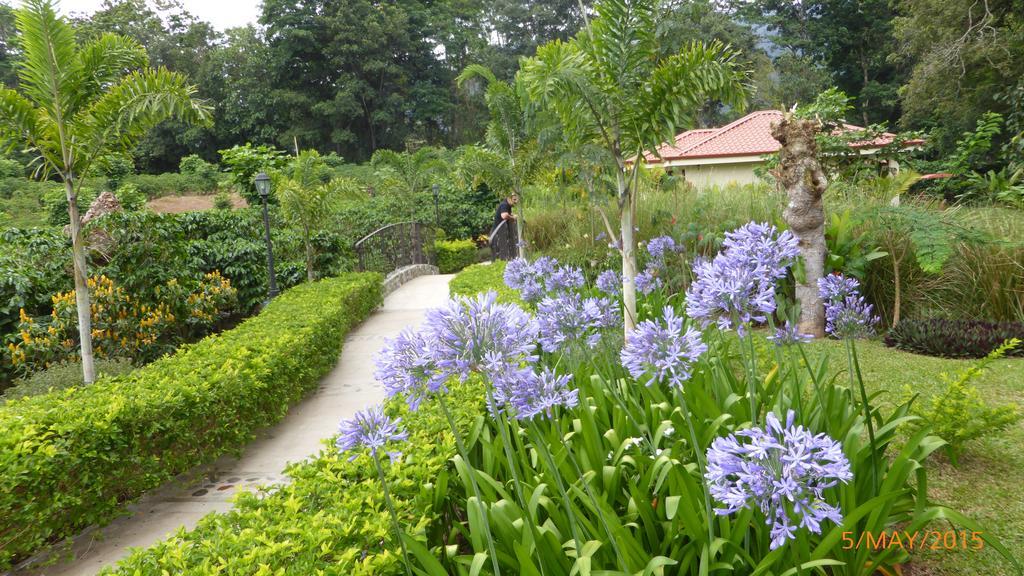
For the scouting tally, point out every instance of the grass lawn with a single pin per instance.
(989, 484)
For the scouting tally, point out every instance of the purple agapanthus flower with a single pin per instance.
(563, 278)
(847, 313)
(788, 335)
(369, 428)
(530, 394)
(659, 247)
(738, 286)
(730, 293)
(467, 334)
(406, 366)
(662, 351)
(783, 471)
(609, 282)
(835, 287)
(850, 318)
(569, 319)
(763, 248)
(647, 281)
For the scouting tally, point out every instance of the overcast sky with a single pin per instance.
(221, 13)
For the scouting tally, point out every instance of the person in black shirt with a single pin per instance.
(504, 211)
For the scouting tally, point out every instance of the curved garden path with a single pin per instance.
(183, 501)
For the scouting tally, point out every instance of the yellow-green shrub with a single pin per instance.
(69, 459)
(331, 519)
(454, 255)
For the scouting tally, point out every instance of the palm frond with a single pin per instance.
(103, 62)
(138, 102)
(48, 61)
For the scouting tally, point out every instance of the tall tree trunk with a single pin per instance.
(81, 274)
(800, 175)
(309, 254)
(626, 219)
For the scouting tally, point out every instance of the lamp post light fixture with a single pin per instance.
(437, 210)
(263, 188)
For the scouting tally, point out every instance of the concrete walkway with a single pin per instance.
(183, 501)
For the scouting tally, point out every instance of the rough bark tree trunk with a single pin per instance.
(81, 274)
(801, 176)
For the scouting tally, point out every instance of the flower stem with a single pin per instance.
(701, 468)
(542, 448)
(472, 481)
(851, 355)
(391, 509)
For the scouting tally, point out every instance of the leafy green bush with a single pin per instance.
(205, 172)
(958, 414)
(115, 168)
(481, 278)
(454, 255)
(948, 338)
(222, 201)
(63, 376)
(34, 265)
(333, 514)
(244, 162)
(10, 168)
(169, 184)
(56, 202)
(130, 197)
(69, 459)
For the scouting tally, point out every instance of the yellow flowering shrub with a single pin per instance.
(122, 326)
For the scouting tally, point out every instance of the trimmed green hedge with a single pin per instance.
(454, 255)
(69, 459)
(331, 519)
(483, 277)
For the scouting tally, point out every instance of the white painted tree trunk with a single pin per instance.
(801, 176)
(628, 240)
(81, 273)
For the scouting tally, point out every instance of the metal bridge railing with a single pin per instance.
(396, 245)
(504, 240)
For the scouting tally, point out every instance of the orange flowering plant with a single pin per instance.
(122, 325)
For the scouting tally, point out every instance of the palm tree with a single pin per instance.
(407, 173)
(609, 85)
(517, 142)
(76, 104)
(310, 197)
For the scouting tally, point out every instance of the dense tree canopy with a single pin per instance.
(354, 76)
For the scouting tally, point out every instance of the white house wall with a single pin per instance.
(711, 175)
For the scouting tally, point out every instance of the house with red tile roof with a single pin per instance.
(729, 155)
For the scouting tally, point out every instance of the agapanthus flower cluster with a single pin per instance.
(470, 334)
(788, 335)
(609, 282)
(543, 276)
(783, 471)
(569, 319)
(647, 281)
(847, 313)
(662, 351)
(528, 393)
(763, 248)
(661, 246)
(738, 286)
(406, 366)
(564, 278)
(370, 428)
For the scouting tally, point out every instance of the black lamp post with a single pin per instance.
(263, 187)
(437, 210)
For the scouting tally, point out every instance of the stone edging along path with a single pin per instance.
(183, 501)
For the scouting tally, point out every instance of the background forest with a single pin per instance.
(353, 76)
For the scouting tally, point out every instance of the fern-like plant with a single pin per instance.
(959, 415)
